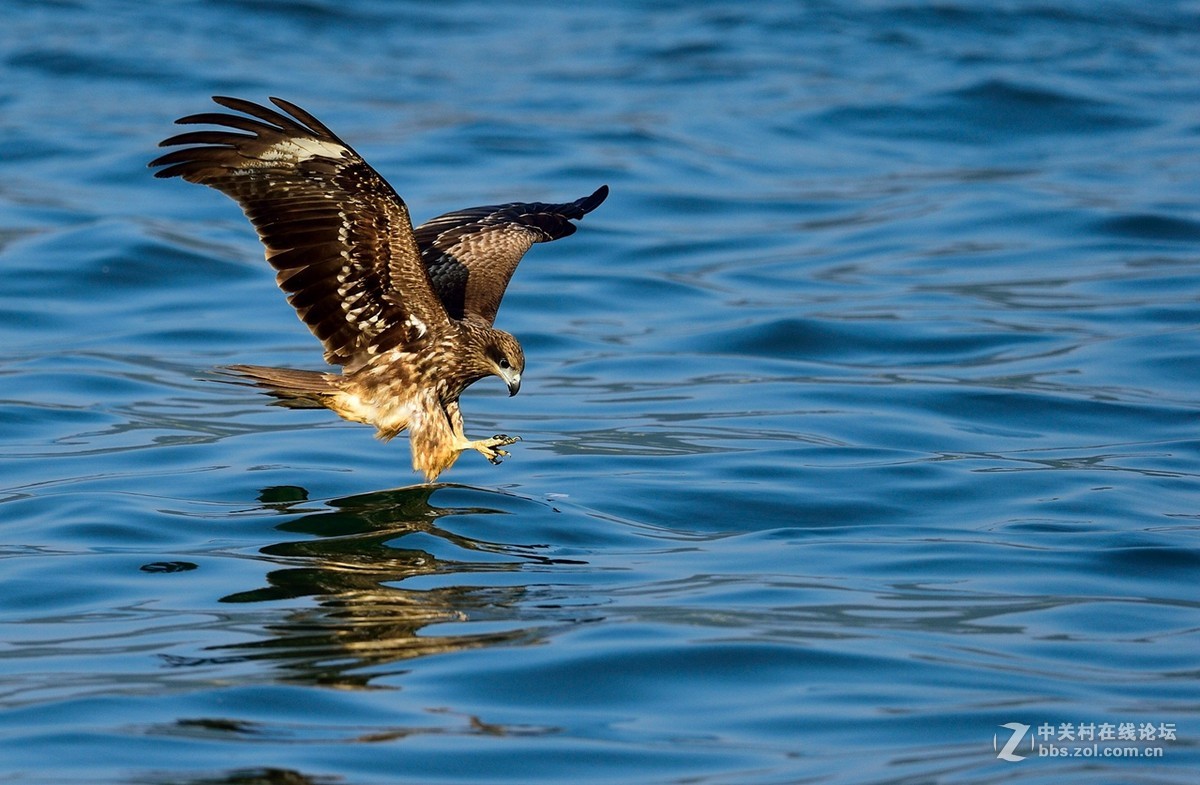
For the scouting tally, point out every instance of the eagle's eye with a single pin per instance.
(504, 363)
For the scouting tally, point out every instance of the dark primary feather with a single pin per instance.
(338, 235)
(471, 254)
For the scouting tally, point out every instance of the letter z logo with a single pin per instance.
(1018, 733)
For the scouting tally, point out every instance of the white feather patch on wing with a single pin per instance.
(301, 149)
(417, 325)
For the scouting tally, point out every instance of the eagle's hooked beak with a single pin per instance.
(512, 378)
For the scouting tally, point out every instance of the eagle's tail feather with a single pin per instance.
(294, 389)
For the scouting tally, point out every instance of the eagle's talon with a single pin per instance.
(491, 448)
(495, 455)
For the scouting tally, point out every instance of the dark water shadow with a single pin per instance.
(265, 776)
(362, 549)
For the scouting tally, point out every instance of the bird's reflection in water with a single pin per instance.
(260, 777)
(363, 549)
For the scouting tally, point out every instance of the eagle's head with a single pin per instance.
(506, 360)
(490, 352)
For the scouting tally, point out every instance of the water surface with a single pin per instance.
(858, 423)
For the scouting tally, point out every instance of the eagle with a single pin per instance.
(406, 314)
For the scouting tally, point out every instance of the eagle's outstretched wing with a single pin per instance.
(471, 254)
(339, 237)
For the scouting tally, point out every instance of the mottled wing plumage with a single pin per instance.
(337, 234)
(471, 254)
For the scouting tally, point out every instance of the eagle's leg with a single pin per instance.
(488, 448)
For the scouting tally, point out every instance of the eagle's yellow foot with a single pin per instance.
(490, 448)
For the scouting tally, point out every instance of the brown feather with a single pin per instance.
(472, 254)
(294, 389)
(317, 204)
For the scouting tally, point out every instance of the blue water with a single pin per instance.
(859, 422)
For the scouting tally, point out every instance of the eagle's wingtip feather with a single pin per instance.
(589, 203)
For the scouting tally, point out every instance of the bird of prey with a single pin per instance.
(406, 313)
